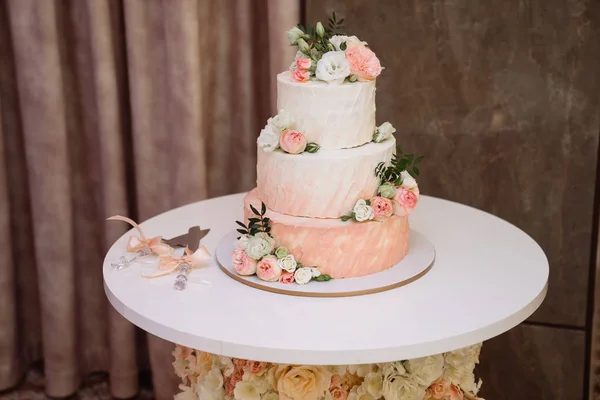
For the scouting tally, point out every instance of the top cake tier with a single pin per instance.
(334, 116)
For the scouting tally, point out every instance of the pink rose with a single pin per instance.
(256, 367)
(286, 277)
(268, 270)
(242, 264)
(292, 142)
(338, 393)
(336, 381)
(300, 75)
(382, 207)
(439, 388)
(303, 63)
(363, 63)
(232, 380)
(405, 201)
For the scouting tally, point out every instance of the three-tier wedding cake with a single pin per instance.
(333, 190)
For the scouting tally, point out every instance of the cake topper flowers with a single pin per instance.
(325, 54)
(257, 253)
(280, 132)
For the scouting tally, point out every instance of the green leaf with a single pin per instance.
(353, 215)
(254, 210)
(263, 209)
(368, 202)
(415, 171)
(241, 224)
(418, 160)
(242, 231)
(345, 217)
(265, 220)
(341, 21)
(323, 278)
(312, 147)
(254, 226)
(343, 46)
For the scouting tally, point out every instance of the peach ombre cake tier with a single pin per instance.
(334, 192)
(340, 249)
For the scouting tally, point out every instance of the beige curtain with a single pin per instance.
(110, 107)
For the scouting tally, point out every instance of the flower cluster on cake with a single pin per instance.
(447, 376)
(333, 186)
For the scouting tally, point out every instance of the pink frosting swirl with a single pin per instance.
(292, 142)
(382, 207)
(405, 200)
(268, 270)
(242, 264)
(363, 63)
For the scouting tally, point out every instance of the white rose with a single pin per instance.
(362, 212)
(186, 394)
(268, 138)
(225, 363)
(465, 355)
(287, 263)
(249, 390)
(302, 276)
(373, 384)
(315, 271)
(463, 376)
(425, 370)
(383, 132)
(258, 247)
(408, 181)
(242, 242)
(268, 238)
(281, 121)
(294, 34)
(210, 386)
(358, 394)
(333, 67)
(397, 387)
(337, 41)
(360, 369)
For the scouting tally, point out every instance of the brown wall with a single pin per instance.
(502, 97)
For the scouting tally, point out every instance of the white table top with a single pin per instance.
(488, 277)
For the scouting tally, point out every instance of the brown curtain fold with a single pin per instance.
(113, 107)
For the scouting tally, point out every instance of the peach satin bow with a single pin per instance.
(169, 264)
(155, 244)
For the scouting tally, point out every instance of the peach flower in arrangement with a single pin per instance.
(292, 141)
(300, 382)
(268, 269)
(242, 263)
(454, 393)
(303, 63)
(286, 277)
(337, 391)
(439, 388)
(382, 207)
(256, 367)
(405, 200)
(300, 75)
(363, 63)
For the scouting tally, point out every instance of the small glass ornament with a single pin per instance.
(123, 262)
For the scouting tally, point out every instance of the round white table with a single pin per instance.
(488, 277)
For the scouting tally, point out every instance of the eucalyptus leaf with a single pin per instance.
(254, 210)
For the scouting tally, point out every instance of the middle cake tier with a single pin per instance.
(325, 184)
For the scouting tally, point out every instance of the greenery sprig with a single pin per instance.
(257, 224)
(400, 162)
(317, 37)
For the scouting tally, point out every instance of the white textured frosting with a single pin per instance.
(325, 184)
(336, 116)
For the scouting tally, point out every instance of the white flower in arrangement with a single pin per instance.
(302, 276)
(242, 242)
(226, 365)
(468, 354)
(425, 370)
(383, 132)
(270, 396)
(268, 238)
(360, 369)
(333, 67)
(187, 393)
(211, 385)
(315, 272)
(402, 388)
(337, 41)
(268, 139)
(249, 390)
(373, 384)
(357, 394)
(408, 181)
(258, 247)
(362, 211)
(294, 34)
(287, 263)
(282, 121)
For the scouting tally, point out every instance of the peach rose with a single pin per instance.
(286, 277)
(300, 75)
(303, 63)
(363, 63)
(300, 382)
(428, 394)
(455, 393)
(292, 142)
(268, 270)
(232, 380)
(382, 207)
(242, 264)
(439, 388)
(338, 393)
(256, 367)
(405, 200)
(336, 381)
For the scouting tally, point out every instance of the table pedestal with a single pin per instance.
(442, 376)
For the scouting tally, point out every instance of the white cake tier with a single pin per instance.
(334, 116)
(325, 184)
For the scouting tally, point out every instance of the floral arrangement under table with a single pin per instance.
(419, 341)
